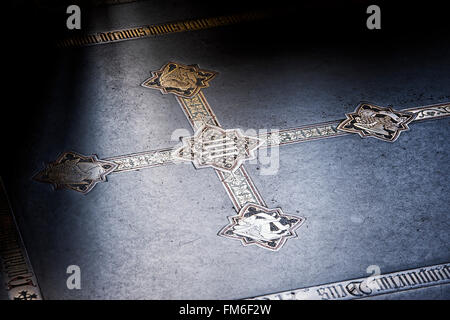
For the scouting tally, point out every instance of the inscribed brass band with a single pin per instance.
(158, 29)
(367, 287)
(18, 275)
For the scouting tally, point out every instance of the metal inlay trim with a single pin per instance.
(367, 287)
(157, 29)
(19, 278)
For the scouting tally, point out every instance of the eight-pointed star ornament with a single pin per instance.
(179, 79)
(370, 120)
(218, 148)
(75, 171)
(261, 226)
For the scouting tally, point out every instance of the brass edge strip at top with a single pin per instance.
(18, 275)
(240, 188)
(157, 29)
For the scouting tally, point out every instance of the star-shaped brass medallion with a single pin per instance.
(370, 120)
(179, 79)
(215, 147)
(264, 227)
(75, 171)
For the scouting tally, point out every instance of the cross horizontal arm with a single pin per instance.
(199, 112)
(161, 157)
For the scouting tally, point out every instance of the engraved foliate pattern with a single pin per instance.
(240, 188)
(303, 134)
(430, 112)
(143, 160)
(198, 111)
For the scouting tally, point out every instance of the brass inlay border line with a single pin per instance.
(198, 111)
(366, 287)
(303, 134)
(433, 111)
(157, 29)
(142, 160)
(18, 276)
(240, 188)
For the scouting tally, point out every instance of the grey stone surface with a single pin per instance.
(151, 234)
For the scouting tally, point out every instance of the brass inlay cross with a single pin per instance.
(267, 228)
(254, 222)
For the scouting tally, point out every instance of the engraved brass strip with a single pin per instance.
(159, 29)
(143, 160)
(434, 111)
(302, 134)
(239, 186)
(18, 275)
(367, 287)
(198, 111)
